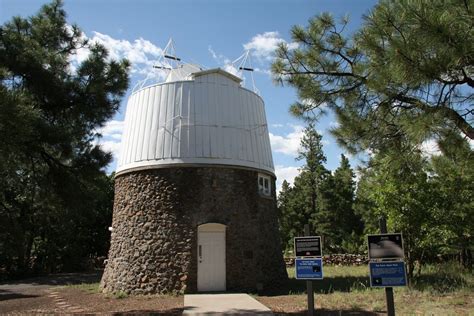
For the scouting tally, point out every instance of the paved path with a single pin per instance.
(223, 304)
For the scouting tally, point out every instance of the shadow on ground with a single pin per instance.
(440, 283)
(326, 312)
(10, 295)
(325, 286)
(173, 311)
(59, 279)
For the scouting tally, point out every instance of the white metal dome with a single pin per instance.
(195, 118)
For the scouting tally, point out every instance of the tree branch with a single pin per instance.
(449, 113)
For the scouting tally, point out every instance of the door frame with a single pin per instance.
(211, 228)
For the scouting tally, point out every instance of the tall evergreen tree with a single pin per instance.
(347, 224)
(453, 178)
(407, 72)
(313, 170)
(309, 199)
(286, 214)
(53, 180)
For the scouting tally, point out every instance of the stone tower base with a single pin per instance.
(155, 225)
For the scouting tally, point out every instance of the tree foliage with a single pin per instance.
(318, 198)
(54, 192)
(399, 190)
(404, 77)
(430, 200)
(453, 179)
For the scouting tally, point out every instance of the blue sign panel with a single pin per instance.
(387, 274)
(309, 269)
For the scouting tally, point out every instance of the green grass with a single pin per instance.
(93, 288)
(444, 289)
(444, 278)
(119, 295)
(441, 278)
(86, 287)
(336, 279)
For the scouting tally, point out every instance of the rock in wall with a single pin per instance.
(154, 238)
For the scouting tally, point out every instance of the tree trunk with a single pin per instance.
(410, 268)
(466, 258)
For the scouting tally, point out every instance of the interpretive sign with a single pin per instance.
(308, 246)
(309, 269)
(387, 274)
(385, 246)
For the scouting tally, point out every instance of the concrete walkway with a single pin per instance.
(223, 304)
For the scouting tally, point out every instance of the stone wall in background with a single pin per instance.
(154, 237)
(337, 259)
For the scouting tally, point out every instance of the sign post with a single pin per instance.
(309, 283)
(308, 263)
(386, 265)
(388, 290)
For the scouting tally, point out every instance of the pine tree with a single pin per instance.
(285, 214)
(313, 170)
(453, 178)
(406, 73)
(347, 223)
(53, 180)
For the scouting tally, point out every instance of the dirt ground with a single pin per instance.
(77, 294)
(50, 295)
(371, 303)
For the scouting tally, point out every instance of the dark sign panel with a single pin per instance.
(308, 246)
(309, 269)
(387, 274)
(385, 246)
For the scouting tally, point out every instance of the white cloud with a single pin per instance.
(334, 124)
(264, 45)
(141, 53)
(111, 146)
(262, 71)
(287, 144)
(111, 137)
(261, 46)
(111, 128)
(224, 62)
(217, 57)
(430, 148)
(285, 173)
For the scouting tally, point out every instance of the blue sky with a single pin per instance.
(210, 33)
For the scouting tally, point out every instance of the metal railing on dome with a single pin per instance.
(168, 60)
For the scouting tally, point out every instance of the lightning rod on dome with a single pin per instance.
(162, 63)
(244, 63)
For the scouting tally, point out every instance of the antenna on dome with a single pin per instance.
(244, 63)
(162, 64)
(170, 53)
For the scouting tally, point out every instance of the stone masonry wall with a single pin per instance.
(154, 238)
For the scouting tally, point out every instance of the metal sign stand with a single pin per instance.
(309, 283)
(388, 290)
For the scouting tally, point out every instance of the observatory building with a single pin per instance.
(195, 203)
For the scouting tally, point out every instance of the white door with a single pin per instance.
(211, 257)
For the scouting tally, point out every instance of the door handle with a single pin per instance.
(200, 252)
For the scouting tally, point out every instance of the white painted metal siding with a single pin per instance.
(208, 120)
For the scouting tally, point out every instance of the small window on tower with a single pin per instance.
(264, 186)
